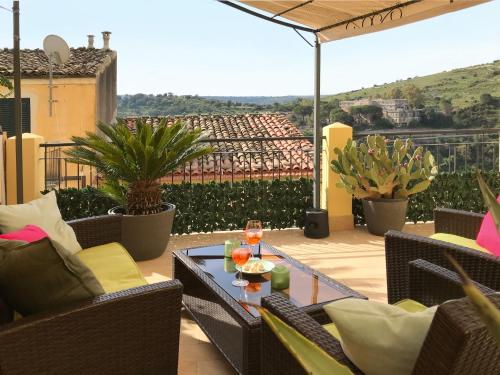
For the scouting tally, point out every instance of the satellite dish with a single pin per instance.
(56, 49)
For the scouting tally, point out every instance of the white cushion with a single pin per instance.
(42, 212)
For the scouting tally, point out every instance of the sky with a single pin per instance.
(207, 48)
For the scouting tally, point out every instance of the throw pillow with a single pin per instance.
(488, 236)
(378, 338)
(41, 275)
(30, 233)
(43, 213)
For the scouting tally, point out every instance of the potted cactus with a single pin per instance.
(383, 176)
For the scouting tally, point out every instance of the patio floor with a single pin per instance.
(355, 258)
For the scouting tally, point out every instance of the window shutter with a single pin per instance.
(7, 116)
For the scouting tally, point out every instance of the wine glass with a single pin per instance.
(253, 232)
(240, 257)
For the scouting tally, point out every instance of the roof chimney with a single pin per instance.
(91, 41)
(105, 38)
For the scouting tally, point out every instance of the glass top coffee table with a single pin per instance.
(222, 310)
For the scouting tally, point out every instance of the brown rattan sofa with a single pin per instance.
(135, 331)
(457, 342)
(401, 248)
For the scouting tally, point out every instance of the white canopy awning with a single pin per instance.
(339, 19)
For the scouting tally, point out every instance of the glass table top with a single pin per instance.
(305, 289)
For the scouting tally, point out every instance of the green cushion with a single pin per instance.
(410, 305)
(312, 358)
(41, 275)
(113, 266)
(378, 338)
(457, 240)
(332, 330)
(43, 213)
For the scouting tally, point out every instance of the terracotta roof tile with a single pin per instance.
(276, 156)
(83, 62)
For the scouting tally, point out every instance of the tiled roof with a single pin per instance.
(266, 157)
(83, 62)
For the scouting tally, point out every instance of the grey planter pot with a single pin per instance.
(146, 236)
(382, 214)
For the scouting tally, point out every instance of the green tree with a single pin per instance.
(395, 93)
(303, 109)
(413, 95)
(366, 113)
(446, 106)
(486, 99)
(338, 115)
(7, 84)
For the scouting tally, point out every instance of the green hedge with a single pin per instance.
(212, 207)
(279, 204)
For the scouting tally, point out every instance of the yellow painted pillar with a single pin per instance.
(33, 168)
(337, 201)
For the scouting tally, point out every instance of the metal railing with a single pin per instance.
(253, 158)
(232, 160)
(455, 150)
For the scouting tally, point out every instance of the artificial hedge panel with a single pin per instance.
(211, 207)
(278, 204)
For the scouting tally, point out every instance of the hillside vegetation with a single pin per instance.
(460, 98)
(462, 86)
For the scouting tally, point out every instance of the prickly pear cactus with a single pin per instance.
(376, 170)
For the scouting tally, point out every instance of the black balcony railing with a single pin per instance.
(455, 150)
(232, 160)
(286, 157)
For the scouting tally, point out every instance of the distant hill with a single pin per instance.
(169, 104)
(458, 90)
(462, 86)
(256, 100)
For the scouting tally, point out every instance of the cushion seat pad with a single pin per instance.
(113, 266)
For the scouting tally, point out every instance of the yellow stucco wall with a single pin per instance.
(74, 111)
(33, 172)
(336, 200)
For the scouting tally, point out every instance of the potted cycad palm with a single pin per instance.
(131, 164)
(383, 178)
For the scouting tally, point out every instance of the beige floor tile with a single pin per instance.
(355, 258)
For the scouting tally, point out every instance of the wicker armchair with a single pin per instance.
(457, 342)
(401, 248)
(135, 331)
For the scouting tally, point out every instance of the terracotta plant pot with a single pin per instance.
(146, 236)
(382, 214)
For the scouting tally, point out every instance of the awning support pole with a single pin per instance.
(318, 139)
(17, 105)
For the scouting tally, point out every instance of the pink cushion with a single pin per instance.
(30, 233)
(488, 236)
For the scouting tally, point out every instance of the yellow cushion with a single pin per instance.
(113, 266)
(457, 240)
(410, 305)
(332, 330)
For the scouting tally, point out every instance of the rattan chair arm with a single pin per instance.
(127, 332)
(461, 223)
(432, 285)
(458, 342)
(97, 230)
(402, 248)
(276, 358)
